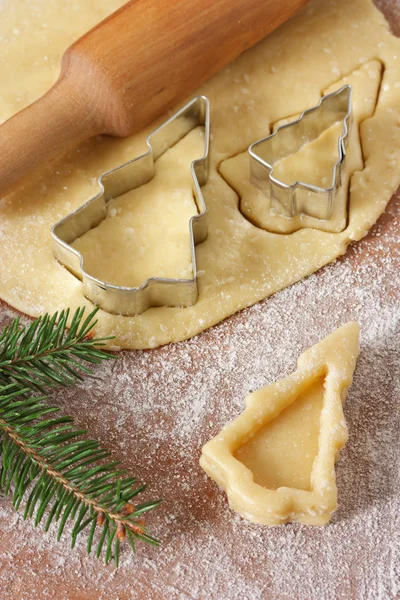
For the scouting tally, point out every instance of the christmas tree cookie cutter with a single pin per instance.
(270, 476)
(298, 198)
(155, 291)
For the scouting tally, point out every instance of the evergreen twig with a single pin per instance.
(65, 474)
(46, 354)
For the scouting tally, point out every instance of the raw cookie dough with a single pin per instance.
(143, 224)
(276, 461)
(313, 163)
(241, 263)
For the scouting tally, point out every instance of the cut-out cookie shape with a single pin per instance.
(276, 461)
(154, 291)
(301, 197)
(255, 205)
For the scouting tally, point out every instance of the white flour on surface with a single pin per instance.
(155, 409)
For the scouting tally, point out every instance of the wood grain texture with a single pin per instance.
(155, 409)
(130, 69)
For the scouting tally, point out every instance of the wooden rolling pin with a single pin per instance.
(131, 68)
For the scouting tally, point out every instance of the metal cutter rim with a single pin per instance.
(125, 300)
(261, 170)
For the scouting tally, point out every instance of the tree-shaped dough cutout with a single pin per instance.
(276, 461)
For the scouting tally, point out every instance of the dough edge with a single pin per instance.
(231, 293)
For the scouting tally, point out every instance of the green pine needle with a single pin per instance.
(43, 458)
(46, 354)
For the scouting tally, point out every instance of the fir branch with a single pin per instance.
(46, 353)
(65, 474)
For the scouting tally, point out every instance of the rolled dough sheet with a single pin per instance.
(240, 262)
(313, 163)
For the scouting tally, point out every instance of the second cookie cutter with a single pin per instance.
(289, 200)
(156, 291)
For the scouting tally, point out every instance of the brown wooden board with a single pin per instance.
(155, 409)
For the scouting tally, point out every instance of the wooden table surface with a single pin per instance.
(155, 410)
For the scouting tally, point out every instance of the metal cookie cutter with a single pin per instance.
(156, 291)
(300, 197)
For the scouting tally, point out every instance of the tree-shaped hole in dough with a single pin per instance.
(312, 163)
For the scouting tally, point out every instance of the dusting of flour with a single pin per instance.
(155, 410)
